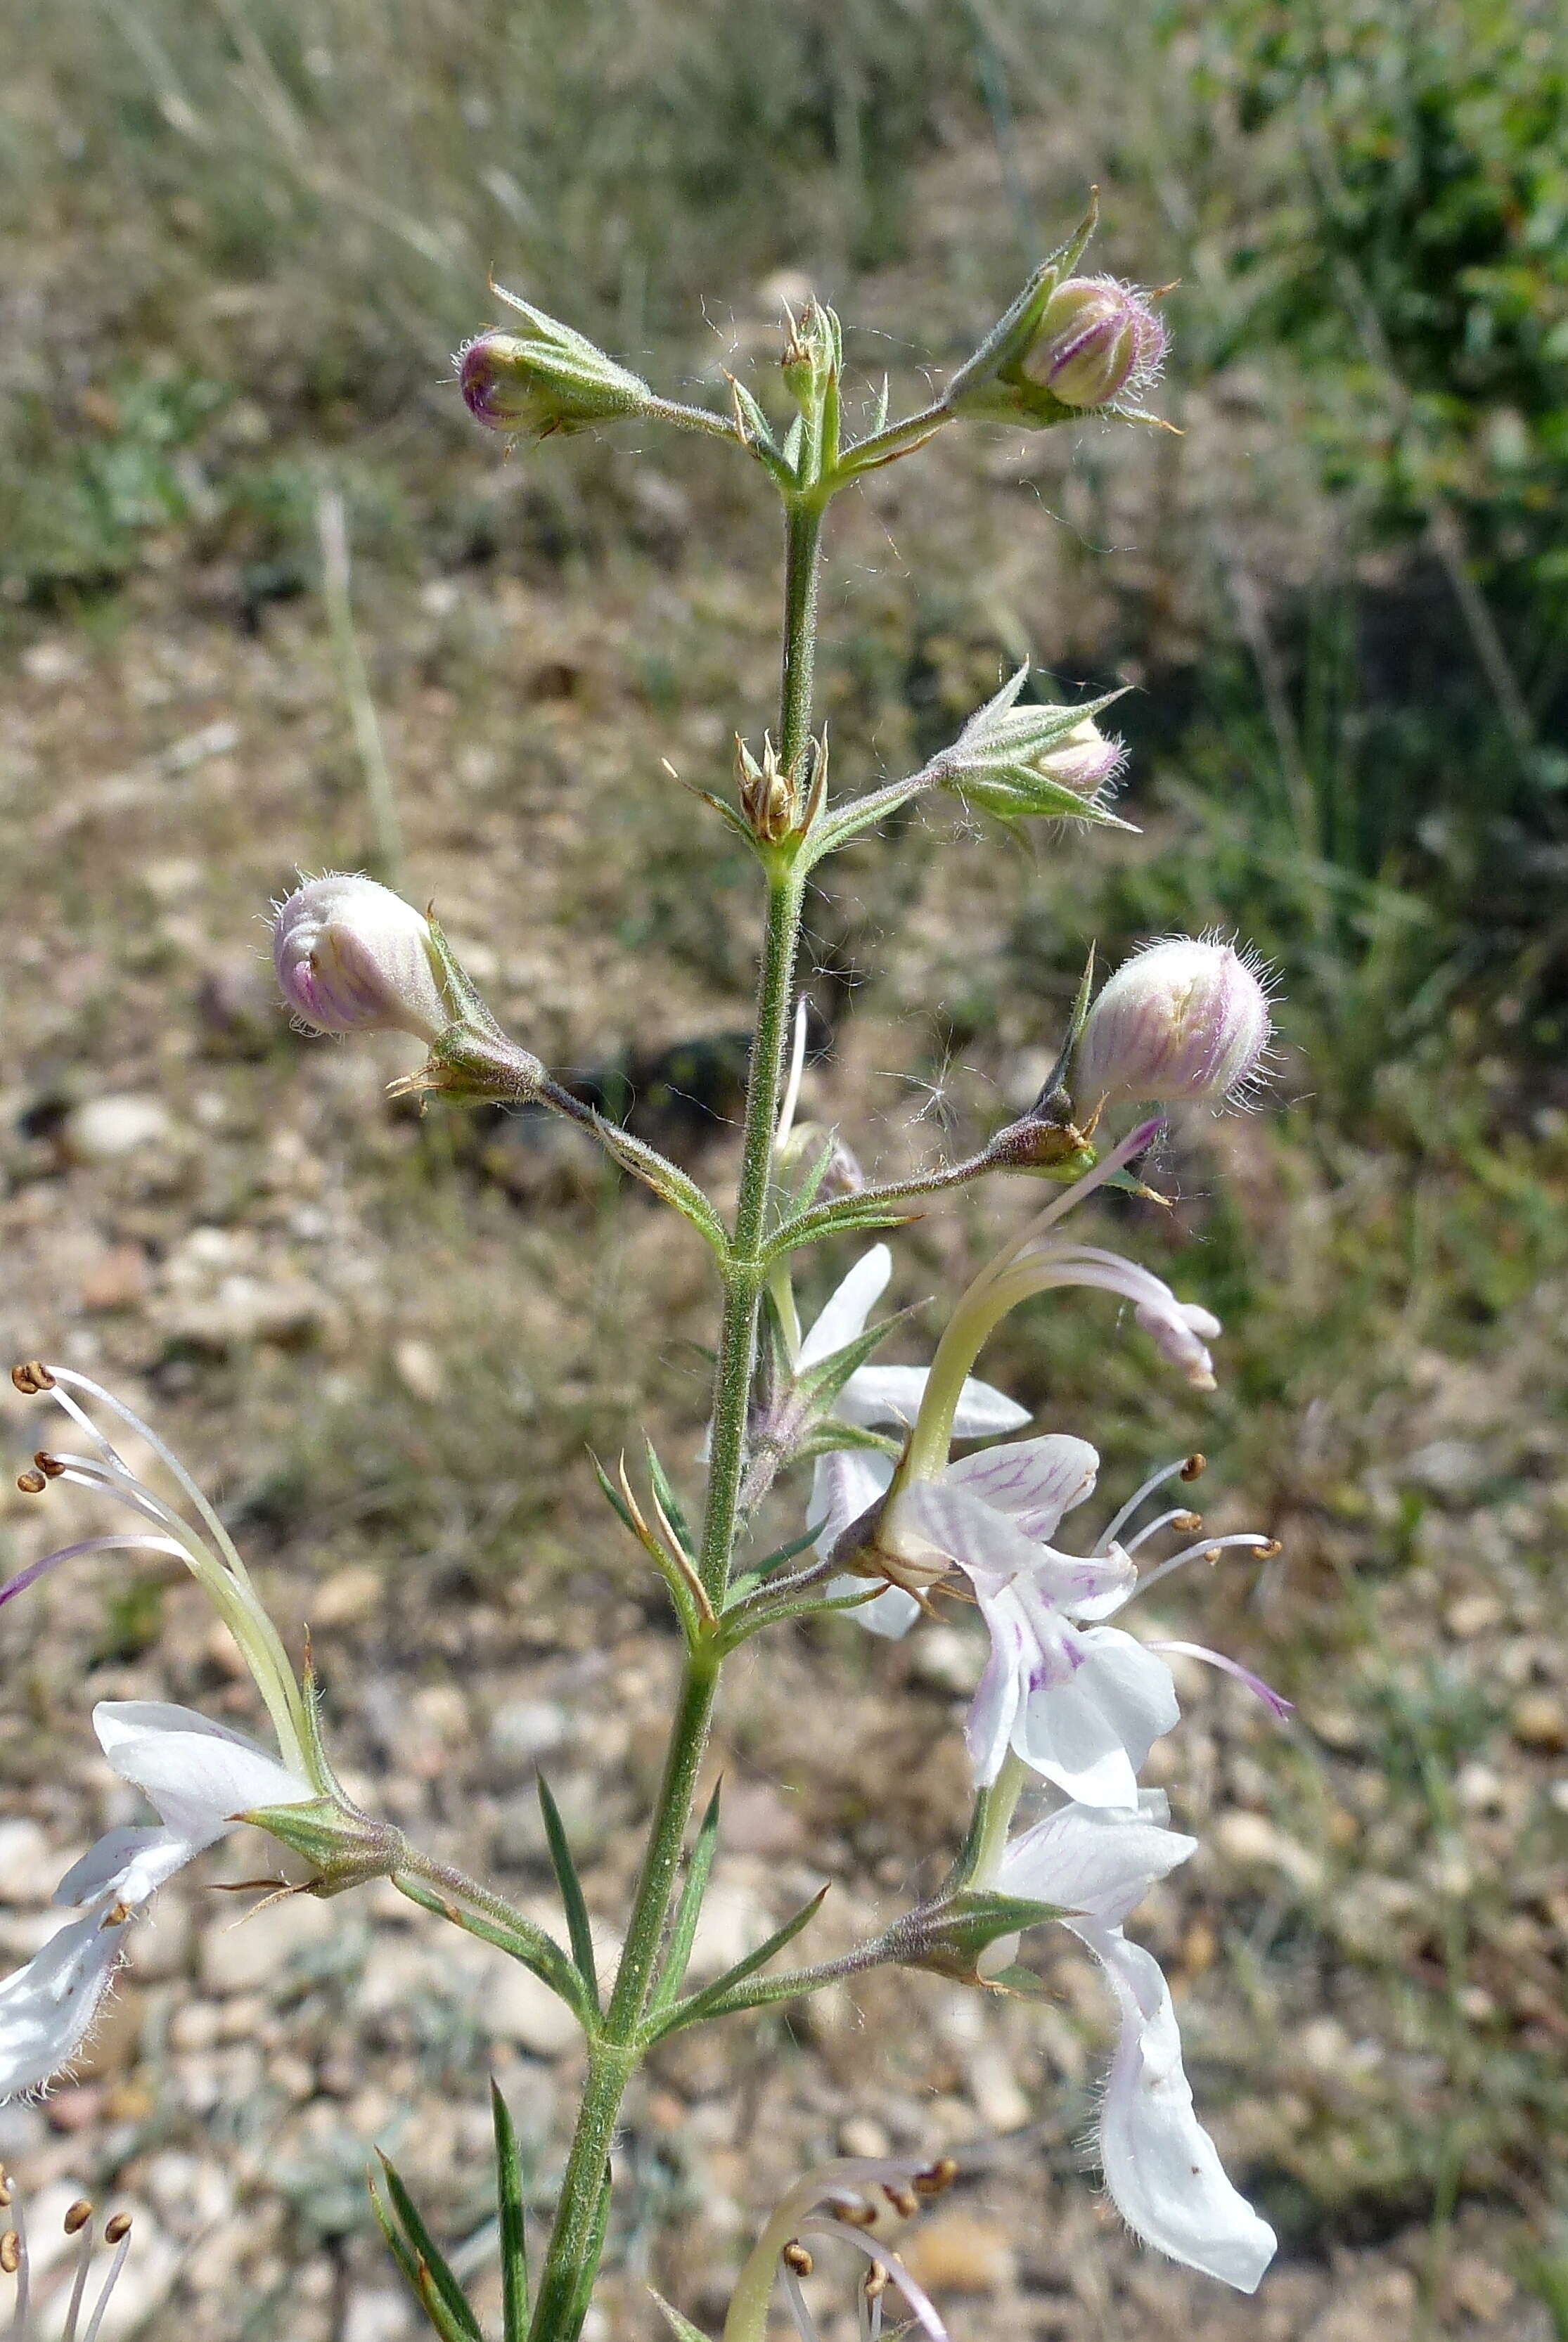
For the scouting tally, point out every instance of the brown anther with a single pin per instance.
(116, 1916)
(1187, 1522)
(10, 2252)
(940, 2176)
(117, 2230)
(876, 2284)
(32, 1377)
(904, 2200)
(1269, 1550)
(77, 2218)
(4, 2193)
(795, 2256)
(1193, 1465)
(856, 2215)
(31, 1484)
(50, 1465)
(1214, 1553)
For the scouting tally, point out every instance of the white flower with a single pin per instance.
(200, 1778)
(848, 1481)
(1079, 1702)
(1161, 2166)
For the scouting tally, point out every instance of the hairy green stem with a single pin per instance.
(614, 2051)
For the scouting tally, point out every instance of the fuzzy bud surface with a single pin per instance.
(1182, 1019)
(1097, 339)
(354, 957)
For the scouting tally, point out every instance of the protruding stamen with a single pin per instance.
(795, 2256)
(1171, 1520)
(938, 2178)
(1211, 1550)
(10, 2252)
(1193, 1465)
(1273, 1700)
(855, 2214)
(1183, 1470)
(50, 1465)
(31, 1483)
(904, 2200)
(32, 1377)
(78, 2216)
(116, 2232)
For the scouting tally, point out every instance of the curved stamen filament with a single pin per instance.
(1178, 1513)
(1248, 1537)
(166, 1456)
(1155, 1480)
(117, 2265)
(1271, 1699)
(123, 1544)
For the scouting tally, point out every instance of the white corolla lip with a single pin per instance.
(1082, 1706)
(200, 1778)
(1162, 2168)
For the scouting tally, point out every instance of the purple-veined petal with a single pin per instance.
(992, 1718)
(1090, 1726)
(1162, 2167)
(848, 1308)
(944, 1520)
(1035, 1480)
(1099, 1860)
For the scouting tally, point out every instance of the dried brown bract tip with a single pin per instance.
(31, 1483)
(1193, 1465)
(32, 1377)
(117, 2230)
(938, 2178)
(796, 2258)
(78, 2216)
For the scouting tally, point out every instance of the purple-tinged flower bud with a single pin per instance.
(354, 957)
(1097, 340)
(548, 378)
(1181, 1019)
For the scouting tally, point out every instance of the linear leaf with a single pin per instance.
(667, 1497)
(522, 1940)
(431, 2260)
(688, 2011)
(681, 2328)
(566, 1878)
(514, 2242)
(613, 1498)
(699, 1868)
(820, 1384)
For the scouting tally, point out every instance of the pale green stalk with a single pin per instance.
(615, 2046)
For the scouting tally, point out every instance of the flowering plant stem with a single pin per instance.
(617, 2044)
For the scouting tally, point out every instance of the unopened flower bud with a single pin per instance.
(1041, 758)
(354, 957)
(545, 379)
(1182, 1019)
(1097, 339)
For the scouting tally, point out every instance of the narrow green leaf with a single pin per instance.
(418, 2278)
(514, 2242)
(566, 1878)
(700, 2004)
(806, 1192)
(849, 821)
(435, 2282)
(833, 1434)
(613, 1498)
(699, 1869)
(522, 1940)
(842, 1218)
(667, 1497)
(681, 2328)
(820, 1384)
